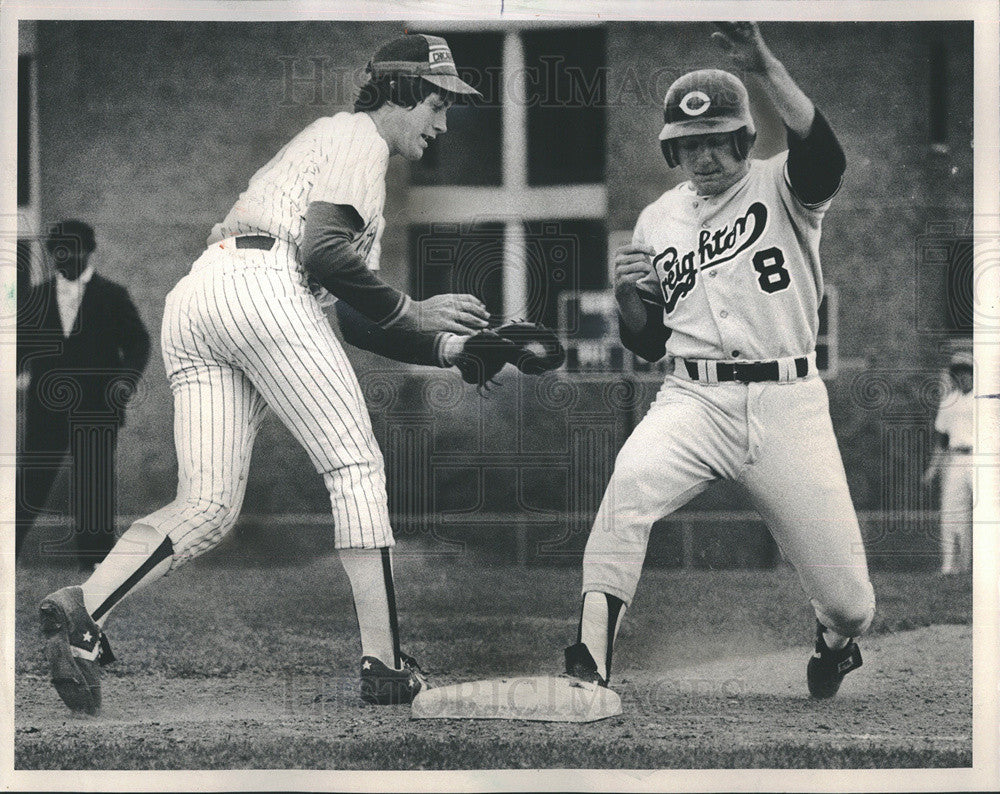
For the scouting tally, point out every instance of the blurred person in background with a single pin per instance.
(954, 436)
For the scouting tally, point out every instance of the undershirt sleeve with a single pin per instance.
(329, 257)
(411, 347)
(649, 343)
(816, 163)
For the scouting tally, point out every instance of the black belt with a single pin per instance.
(750, 372)
(259, 241)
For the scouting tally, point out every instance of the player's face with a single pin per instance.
(710, 162)
(421, 125)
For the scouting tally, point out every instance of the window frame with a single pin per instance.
(514, 202)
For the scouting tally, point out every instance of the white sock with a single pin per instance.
(835, 641)
(141, 555)
(594, 631)
(370, 572)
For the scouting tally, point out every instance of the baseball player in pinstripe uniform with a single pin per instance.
(723, 275)
(244, 333)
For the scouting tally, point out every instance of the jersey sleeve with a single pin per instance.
(330, 257)
(805, 215)
(349, 169)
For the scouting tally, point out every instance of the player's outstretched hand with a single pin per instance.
(744, 45)
(632, 262)
(458, 314)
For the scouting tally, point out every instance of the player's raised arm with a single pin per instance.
(816, 162)
(743, 43)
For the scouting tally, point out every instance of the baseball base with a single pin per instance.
(539, 698)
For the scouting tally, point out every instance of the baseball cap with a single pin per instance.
(420, 55)
(961, 358)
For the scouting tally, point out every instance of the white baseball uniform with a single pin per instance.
(739, 278)
(244, 332)
(955, 419)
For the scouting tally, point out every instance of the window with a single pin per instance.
(938, 104)
(30, 268)
(945, 263)
(524, 167)
(827, 358)
(24, 263)
(25, 84)
(565, 97)
(958, 312)
(450, 257)
(562, 255)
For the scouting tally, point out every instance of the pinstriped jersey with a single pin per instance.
(738, 274)
(339, 159)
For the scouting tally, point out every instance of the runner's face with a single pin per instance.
(710, 162)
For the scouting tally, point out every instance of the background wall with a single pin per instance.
(150, 130)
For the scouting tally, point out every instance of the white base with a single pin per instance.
(543, 698)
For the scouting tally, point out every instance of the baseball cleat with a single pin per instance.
(383, 686)
(827, 668)
(580, 664)
(75, 648)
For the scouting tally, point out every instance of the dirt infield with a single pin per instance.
(909, 706)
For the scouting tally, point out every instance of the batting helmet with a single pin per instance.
(705, 102)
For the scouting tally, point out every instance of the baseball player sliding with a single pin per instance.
(244, 332)
(723, 276)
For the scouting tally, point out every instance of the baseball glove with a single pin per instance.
(531, 347)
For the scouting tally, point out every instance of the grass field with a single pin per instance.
(247, 666)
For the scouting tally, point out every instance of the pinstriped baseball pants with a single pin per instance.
(241, 334)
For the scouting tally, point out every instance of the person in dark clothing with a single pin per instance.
(81, 349)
